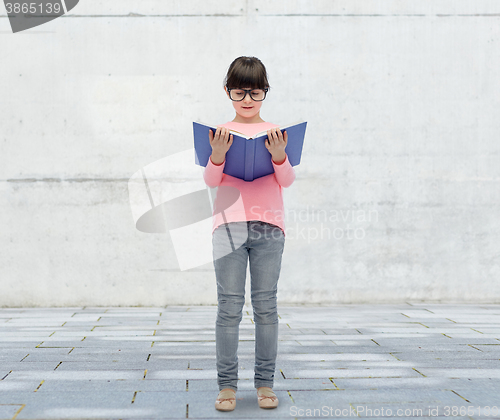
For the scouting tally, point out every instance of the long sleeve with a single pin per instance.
(213, 173)
(284, 173)
(260, 199)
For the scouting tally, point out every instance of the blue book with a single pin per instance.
(248, 158)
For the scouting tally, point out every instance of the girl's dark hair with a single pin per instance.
(246, 71)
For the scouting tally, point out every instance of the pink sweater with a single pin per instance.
(260, 199)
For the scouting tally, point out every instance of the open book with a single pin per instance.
(248, 157)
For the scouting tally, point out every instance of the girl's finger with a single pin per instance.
(210, 136)
(272, 137)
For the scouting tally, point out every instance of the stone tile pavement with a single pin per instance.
(409, 360)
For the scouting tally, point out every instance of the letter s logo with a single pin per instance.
(170, 196)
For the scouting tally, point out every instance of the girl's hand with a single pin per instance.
(220, 142)
(276, 143)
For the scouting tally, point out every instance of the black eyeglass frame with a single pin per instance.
(247, 91)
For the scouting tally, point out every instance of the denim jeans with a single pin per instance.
(233, 245)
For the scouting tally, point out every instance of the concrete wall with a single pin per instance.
(401, 153)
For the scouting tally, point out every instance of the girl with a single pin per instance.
(249, 214)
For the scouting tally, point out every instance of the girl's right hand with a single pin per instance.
(221, 141)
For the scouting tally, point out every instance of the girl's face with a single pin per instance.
(247, 110)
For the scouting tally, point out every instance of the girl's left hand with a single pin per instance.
(276, 142)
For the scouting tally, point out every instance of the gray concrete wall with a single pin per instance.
(397, 197)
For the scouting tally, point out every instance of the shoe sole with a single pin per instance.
(224, 409)
(268, 407)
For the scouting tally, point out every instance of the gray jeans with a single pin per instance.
(233, 245)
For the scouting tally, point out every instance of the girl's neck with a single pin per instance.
(254, 120)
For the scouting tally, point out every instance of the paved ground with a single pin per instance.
(378, 361)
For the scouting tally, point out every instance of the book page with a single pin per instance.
(281, 127)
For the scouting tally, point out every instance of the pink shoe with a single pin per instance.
(226, 400)
(266, 397)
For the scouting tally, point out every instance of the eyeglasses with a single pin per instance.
(236, 94)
